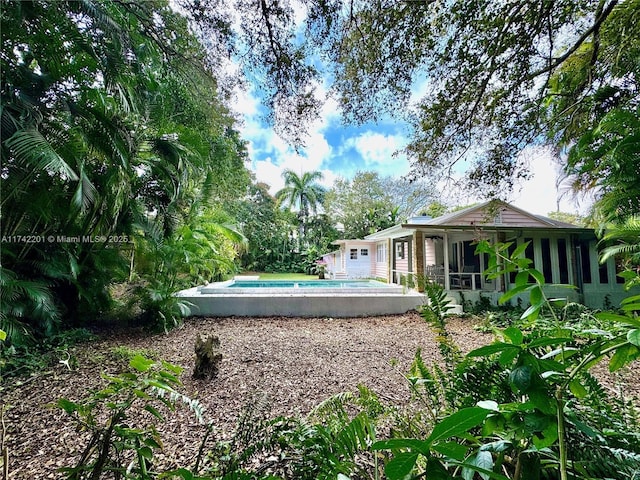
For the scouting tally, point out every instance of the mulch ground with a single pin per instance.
(295, 363)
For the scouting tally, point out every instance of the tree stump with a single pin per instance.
(208, 357)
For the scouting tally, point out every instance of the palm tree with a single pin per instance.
(623, 240)
(91, 141)
(302, 193)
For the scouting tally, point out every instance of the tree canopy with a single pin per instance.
(115, 146)
(479, 81)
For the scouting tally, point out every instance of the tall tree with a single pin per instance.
(492, 77)
(411, 198)
(361, 206)
(302, 193)
(267, 228)
(593, 109)
(109, 120)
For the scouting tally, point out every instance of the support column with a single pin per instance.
(418, 241)
(390, 256)
(445, 241)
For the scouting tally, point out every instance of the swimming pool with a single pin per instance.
(238, 286)
(334, 298)
(306, 284)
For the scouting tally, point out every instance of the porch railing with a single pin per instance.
(457, 280)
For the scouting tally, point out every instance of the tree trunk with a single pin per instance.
(208, 357)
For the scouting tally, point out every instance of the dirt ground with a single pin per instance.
(294, 362)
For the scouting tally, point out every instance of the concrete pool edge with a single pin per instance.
(300, 304)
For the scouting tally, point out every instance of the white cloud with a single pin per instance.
(540, 194)
(378, 152)
(270, 154)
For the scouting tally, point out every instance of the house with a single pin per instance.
(443, 249)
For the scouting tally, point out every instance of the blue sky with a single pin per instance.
(339, 150)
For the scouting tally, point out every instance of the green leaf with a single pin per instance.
(614, 317)
(542, 400)
(532, 312)
(514, 334)
(153, 411)
(631, 307)
(512, 292)
(140, 363)
(535, 296)
(548, 341)
(520, 249)
(498, 446)
(451, 450)
(483, 460)
(141, 394)
(401, 465)
(537, 275)
(480, 470)
(151, 442)
(458, 423)
(576, 387)
(632, 299)
(3, 335)
(491, 349)
(489, 405)
(522, 279)
(547, 437)
(624, 354)
(508, 356)
(146, 452)
(67, 405)
(633, 336)
(436, 470)
(521, 377)
(181, 472)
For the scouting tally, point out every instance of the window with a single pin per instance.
(497, 220)
(584, 261)
(353, 254)
(563, 264)
(545, 247)
(381, 253)
(400, 250)
(603, 272)
(364, 252)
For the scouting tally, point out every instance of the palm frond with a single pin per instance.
(32, 148)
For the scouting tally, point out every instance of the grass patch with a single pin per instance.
(126, 353)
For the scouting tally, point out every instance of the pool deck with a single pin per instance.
(211, 301)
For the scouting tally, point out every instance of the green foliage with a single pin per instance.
(272, 245)
(161, 307)
(304, 194)
(524, 405)
(114, 446)
(108, 153)
(439, 304)
(362, 205)
(593, 112)
(623, 241)
(25, 359)
(283, 448)
(123, 352)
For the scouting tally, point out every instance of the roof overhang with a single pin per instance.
(493, 228)
(352, 242)
(397, 231)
